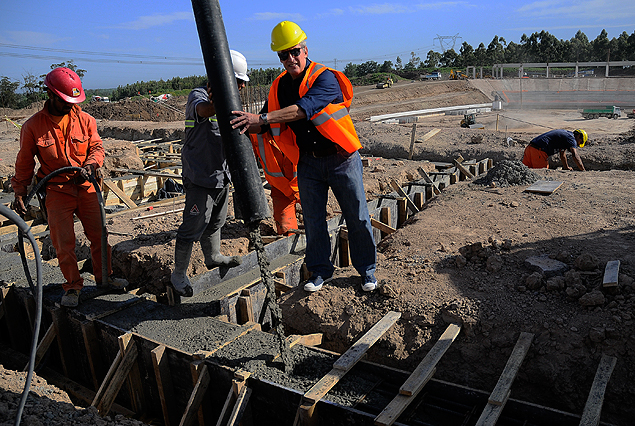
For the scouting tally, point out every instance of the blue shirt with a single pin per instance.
(325, 90)
(555, 140)
(202, 154)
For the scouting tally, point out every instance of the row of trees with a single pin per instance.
(538, 47)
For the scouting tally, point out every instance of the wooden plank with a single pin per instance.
(350, 358)
(196, 398)
(148, 173)
(611, 273)
(430, 134)
(382, 226)
(109, 395)
(491, 413)
(501, 391)
(544, 186)
(593, 406)
(412, 140)
(463, 170)
(45, 343)
(418, 379)
(402, 212)
(91, 344)
(415, 381)
(246, 311)
(355, 352)
(314, 339)
(401, 193)
(239, 407)
(427, 179)
(119, 193)
(164, 382)
(397, 406)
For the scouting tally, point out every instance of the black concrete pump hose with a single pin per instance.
(104, 232)
(25, 229)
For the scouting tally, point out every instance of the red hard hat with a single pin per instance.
(65, 83)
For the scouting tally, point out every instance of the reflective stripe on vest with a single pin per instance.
(192, 123)
(267, 164)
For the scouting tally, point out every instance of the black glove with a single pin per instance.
(87, 171)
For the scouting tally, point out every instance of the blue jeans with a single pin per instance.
(343, 174)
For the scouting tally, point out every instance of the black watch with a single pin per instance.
(263, 117)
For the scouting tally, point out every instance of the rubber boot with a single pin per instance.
(179, 279)
(211, 250)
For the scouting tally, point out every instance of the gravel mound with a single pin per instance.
(508, 173)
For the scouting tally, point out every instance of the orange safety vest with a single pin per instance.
(333, 122)
(279, 170)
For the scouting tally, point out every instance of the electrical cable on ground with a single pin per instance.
(25, 229)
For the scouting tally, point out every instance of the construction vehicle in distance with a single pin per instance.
(457, 75)
(468, 120)
(631, 114)
(385, 84)
(608, 112)
(432, 76)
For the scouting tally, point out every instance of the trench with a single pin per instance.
(224, 335)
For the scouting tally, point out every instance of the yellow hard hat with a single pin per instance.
(585, 137)
(285, 35)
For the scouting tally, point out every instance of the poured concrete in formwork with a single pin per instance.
(174, 342)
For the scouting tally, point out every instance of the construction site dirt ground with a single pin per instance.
(463, 257)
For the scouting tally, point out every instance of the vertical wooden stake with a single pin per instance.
(412, 140)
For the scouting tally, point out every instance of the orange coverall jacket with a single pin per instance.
(41, 137)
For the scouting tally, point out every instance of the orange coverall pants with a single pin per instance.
(534, 158)
(62, 201)
(283, 211)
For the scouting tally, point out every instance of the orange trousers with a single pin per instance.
(283, 211)
(62, 201)
(535, 158)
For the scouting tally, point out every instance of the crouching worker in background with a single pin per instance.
(62, 135)
(206, 179)
(542, 147)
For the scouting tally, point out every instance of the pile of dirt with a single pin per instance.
(47, 405)
(142, 109)
(507, 173)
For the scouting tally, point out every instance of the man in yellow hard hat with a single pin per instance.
(307, 116)
(541, 147)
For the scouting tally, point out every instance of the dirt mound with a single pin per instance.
(137, 110)
(508, 173)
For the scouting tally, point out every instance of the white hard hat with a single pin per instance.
(240, 65)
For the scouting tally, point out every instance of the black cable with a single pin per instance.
(104, 233)
(24, 228)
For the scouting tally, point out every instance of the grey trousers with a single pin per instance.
(205, 211)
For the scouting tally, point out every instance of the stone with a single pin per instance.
(594, 298)
(597, 334)
(587, 262)
(534, 281)
(545, 265)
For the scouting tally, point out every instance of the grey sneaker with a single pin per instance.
(370, 283)
(70, 298)
(315, 283)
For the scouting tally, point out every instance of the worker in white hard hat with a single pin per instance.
(206, 179)
(307, 115)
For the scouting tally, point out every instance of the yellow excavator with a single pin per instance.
(458, 75)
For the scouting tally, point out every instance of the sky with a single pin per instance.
(121, 42)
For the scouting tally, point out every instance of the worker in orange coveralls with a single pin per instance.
(62, 135)
(281, 173)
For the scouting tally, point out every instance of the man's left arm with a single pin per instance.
(576, 159)
(95, 153)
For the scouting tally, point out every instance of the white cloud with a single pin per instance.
(277, 16)
(442, 5)
(33, 38)
(145, 22)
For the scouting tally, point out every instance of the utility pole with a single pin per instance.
(335, 60)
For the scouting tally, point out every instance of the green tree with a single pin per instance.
(368, 67)
(398, 64)
(600, 47)
(70, 65)
(480, 55)
(386, 67)
(433, 60)
(8, 97)
(466, 55)
(496, 51)
(580, 48)
(449, 58)
(350, 70)
(33, 88)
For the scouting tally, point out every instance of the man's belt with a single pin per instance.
(319, 153)
(533, 145)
